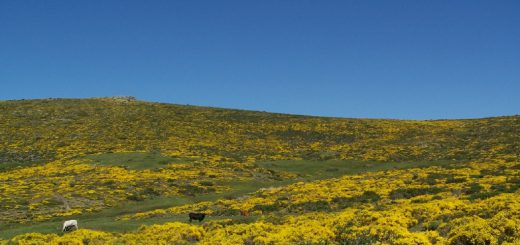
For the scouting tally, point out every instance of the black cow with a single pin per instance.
(196, 216)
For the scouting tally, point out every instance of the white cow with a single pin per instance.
(69, 225)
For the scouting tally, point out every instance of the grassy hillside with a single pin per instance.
(41, 130)
(115, 164)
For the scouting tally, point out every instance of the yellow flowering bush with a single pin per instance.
(47, 173)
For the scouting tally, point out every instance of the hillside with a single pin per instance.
(115, 164)
(42, 130)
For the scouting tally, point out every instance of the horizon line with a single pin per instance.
(134, 98)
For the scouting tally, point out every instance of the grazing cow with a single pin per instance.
(70, 225)
(196, 216)
(244, 212)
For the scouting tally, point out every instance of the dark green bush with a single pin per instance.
(412, 192)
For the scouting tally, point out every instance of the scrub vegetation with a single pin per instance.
(130, 171)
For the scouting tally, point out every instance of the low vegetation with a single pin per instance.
(130, 172)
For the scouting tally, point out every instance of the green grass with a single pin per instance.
(105, 224)
(134, 160)
(5, 166)
(105, 219)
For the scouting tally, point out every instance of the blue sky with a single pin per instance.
(370, 59)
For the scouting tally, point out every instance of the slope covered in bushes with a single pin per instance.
(40, 130)
(116, 164)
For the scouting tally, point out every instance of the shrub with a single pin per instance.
(412, 192)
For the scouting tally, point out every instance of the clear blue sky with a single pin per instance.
(378, 59)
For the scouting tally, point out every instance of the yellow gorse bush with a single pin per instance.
(451, 215)
(475, 201)
(38, 130)
(435, 215)
(38, 192)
